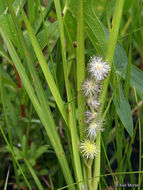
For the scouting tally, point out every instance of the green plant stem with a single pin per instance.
(51, 182)
(5, 114)
(107, 159)
(85, 172)
(89, 173)
(38, 183)
(47, 38)
(31, 10)
(80, 66)
(114, 31)
(96, 172)
(119, 142)
(72, 120)
(6, 181)
(128, 72)
(27, 131)
(111, 44)
(140, 141)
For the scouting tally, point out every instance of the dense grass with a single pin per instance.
(45, 48)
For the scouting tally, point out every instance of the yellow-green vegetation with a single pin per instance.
(71, 90)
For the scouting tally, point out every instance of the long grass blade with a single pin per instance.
(6, 181)
(45, 68)
(34, 175)
(80, 66)
(72, 120)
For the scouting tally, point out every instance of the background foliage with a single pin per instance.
(42, 68)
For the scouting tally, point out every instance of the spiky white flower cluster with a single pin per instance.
(88, 149)
(98, 70)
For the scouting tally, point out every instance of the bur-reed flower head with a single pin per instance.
(89, 116)
(98, 69)
(93, 102)
(88, 149)
(90, 87)
(93, 128)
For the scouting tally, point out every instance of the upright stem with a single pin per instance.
(27, 131)
(72, 120)
(47, 39)
(80, 65)
(81, 73)
(140, 141)
(96, 171)
(89, 174)
(33, 173)
(109, 57)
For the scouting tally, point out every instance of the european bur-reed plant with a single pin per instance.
(98, 70)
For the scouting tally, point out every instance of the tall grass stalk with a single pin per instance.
(6, 181)
(47, 38)
(111, 44)
(80, 65)
(38, 183)
(140, 142)
(72, 121)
